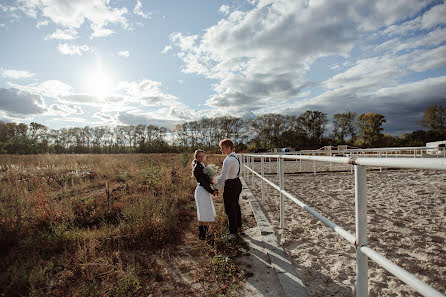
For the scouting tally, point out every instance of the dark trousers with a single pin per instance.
(231, 195)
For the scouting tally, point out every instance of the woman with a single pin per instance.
(203, 195)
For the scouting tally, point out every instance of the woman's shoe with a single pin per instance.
(202, 233)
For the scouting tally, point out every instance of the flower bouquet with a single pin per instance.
(211, 170)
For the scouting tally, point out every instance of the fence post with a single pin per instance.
(278, 167)
(252, 177)
(262, 171)
(242, 168)
(270, 166)
(282, 210)
(361, 231)
(247, 170)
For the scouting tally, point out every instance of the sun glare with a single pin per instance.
(98, 82)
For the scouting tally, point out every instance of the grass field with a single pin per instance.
(108, 225)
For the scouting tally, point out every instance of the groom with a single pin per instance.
(232, 186)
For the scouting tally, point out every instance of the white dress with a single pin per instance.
(205, 205)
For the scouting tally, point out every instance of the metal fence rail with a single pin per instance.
(414, 152)
(363, 252)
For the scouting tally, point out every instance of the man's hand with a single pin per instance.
(215, 193)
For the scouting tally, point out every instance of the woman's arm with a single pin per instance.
(202, 178)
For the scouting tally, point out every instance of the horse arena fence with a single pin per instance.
(357, 160)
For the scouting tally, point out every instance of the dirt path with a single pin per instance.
(260, 278)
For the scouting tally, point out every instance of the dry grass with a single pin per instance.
(115, 225)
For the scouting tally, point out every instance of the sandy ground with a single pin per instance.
(406, 224)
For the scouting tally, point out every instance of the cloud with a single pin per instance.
(49, 88)
(70, 49)
(65, 109)
(16, 74)
(126, 118)
(68, 34)
(105, 117)
(261, 58)
(42, 23)
(138, 10)
(82, 99)
(166, 49)
(401, 104)
(260, 55)
(17, 102)
(435, 16)
(124, 54)
(224, 9)
(146, 92)
(72, 14)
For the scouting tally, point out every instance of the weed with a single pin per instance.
(62, 234)
(185, 159)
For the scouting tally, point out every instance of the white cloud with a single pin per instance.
(49, 88)
(435, 16)
(16, 74)
(42, 23)
(27, 7)
(17, 102)
(224, 9)
(146, 92)
(82, 99)
(166, 49)
(71, 49)
(99, 31)
(260, 58)
(68, 34)
(106, 118)
(65, 109)
(128, 118)
(72, 14)
(124, 54)
(138, 10)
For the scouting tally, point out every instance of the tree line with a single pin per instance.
(305, 131)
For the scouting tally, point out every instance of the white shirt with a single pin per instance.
(230, 169)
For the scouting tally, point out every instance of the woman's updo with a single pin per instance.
(195, 158)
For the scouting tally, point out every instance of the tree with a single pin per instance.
(313, 125)
(434, 118)
(344, 124)
(370, 128)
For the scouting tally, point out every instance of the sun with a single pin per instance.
(98, 81)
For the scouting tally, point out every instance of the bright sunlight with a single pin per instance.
(98, 81)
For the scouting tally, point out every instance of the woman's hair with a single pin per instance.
(195, 158)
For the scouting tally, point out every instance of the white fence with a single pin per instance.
(415, 152)
(360, 238)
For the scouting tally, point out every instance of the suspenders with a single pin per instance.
(238, 173)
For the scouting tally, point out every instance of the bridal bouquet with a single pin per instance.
(211, 170)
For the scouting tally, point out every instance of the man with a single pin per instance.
(232, 186)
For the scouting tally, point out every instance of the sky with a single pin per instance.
(126, 62)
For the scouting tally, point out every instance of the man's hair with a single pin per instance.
(228, 143)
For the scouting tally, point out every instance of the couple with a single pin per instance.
(229, 177)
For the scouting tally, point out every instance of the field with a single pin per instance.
(115, 225)
(406, 224)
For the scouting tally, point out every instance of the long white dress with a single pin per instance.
(205, 204)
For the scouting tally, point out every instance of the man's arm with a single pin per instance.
(224, 174)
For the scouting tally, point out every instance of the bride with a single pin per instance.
(203, 195)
